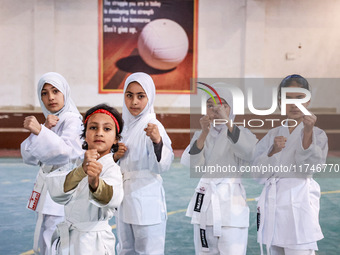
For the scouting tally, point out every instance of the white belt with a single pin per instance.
(64, 228)
(211, 195)
(270, 190)
(38, 195)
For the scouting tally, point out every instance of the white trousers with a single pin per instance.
(140, 239)
(48, 226)
(275, 250)
(233, 241)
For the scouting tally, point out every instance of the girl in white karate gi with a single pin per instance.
(288, 207)
(51, 145)
(218, 208)
(92, 191)
(147, 151)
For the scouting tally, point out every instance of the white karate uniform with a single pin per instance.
(289, 202)
(224, 206)
(50, 149)
(86, 229)
(223, 213)
(141, 220)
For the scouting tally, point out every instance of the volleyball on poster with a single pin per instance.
(155, 37)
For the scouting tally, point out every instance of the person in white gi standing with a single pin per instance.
(50, 146)
(289, 204)
(92, 191)
(218, 208)
(147, 151)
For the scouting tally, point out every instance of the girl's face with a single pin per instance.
(217, 111)
(52, 98)
(135, 98)
(292, 111)
(100, 133)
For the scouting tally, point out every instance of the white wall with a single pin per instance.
(237, 38)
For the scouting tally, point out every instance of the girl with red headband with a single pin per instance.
(147, 153)
(92, 191)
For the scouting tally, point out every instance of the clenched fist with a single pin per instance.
(32, 125)
(92, 168)
(279, 144)
(120, 153)
(205, 124)
(309, 122)
(153, 132)
(51, 121)
(308, 125)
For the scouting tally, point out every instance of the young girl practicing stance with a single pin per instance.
(288, 207)
(93, 190)
(142, 215)
(50, 146)
(218, 208)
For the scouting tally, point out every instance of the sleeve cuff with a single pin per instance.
(79, 172)
(235, 134)
(194, 149)
(158, 149)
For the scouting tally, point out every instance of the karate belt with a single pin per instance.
(270, 192)
(141, 174)
(63, 232)
(211, 195)
(39, 188)
(39, 194)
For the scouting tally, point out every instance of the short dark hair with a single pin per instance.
(287, 81)
(115, 113)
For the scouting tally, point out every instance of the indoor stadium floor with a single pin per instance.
(17, 223)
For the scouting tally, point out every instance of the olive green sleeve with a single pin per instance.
(104, 192)
(73, 178)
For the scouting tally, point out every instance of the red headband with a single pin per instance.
(106, 112)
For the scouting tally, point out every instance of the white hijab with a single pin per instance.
(61, 84)
(133, 132)
(148, 85)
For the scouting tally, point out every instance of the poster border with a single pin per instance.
(101, 90)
